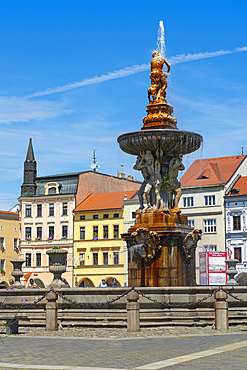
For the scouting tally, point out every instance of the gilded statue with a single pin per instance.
(158, 78)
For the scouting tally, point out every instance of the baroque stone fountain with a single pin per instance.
(161, 245)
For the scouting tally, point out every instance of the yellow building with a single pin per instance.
(9, 240)
(98, 247)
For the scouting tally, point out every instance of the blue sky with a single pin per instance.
(46, 45)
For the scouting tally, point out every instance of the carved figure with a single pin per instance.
(190, 242)
(174, 194)
(151, 171)
(158, 78)
(147, 243)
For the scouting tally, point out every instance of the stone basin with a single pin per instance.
(170, 141)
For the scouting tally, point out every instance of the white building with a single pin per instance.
(204, 186)
(236, 222)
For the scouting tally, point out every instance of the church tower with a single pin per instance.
(28, 187)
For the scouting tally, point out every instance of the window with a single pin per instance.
(236, 223)
(15, 244)
(2, 265)
(188, 202)
(82, 217)
(116, 231)
(210, 226)
(95, 217)
(191, 223)
(105, 232)
(65, 209)
(105, 215)
(51, 232)
(82, 262)
(210, 248)
(105, 258)
(65, 231)
(82, 233)
(2, 243)
(209, 200)
(95, 232)
(28, 260)
(28, 210)
(28, 233)
(95, 258)
(38, 259)
(39, 210)
(115, 258)
(39, 233)
(52, 190)
(238, 254)
(133, 215)
(51, 209)
(115, 215)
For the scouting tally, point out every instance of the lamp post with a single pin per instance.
(75, 264)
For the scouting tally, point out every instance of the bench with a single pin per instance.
(12, 322)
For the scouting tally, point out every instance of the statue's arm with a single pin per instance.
(168, 66)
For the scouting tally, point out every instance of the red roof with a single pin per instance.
(211, 171)
(9, 213)
(104, 201)
(240, 188)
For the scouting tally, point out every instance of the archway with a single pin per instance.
(241, 278)
(4, 284)
(110, 279)
(39, 282)
(86, 283)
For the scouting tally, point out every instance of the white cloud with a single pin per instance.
(127, 71)
(17, 109)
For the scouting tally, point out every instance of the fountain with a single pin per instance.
(161, 245)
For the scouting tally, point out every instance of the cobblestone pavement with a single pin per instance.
(115, 348)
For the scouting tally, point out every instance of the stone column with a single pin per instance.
(221, 310)
(133, 312)
(51, 311)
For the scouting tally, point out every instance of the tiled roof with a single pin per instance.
(9, 213)
(240, 188)
(211, 171)
(104, 201)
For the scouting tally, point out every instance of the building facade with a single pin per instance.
(98, 246)
(9, 244)
(236, 222)
(46, 214)
(204, 186)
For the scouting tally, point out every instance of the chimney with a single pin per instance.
(121, 175)
(130, 178)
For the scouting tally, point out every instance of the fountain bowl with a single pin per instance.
(171, 141)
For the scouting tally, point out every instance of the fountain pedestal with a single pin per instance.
(161, 245)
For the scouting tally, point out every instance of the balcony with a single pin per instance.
(40, 242)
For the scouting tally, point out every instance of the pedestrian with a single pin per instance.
(102, 284)
(32, 284)
(114, 283)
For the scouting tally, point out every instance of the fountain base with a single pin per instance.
(158, 254)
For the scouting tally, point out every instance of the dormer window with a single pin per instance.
(51, 188)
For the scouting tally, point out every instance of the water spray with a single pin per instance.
(161, 39)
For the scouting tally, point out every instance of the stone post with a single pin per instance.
(51, 311)
(133, 312)
(221, 310)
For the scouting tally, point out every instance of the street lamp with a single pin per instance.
(75, 262)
